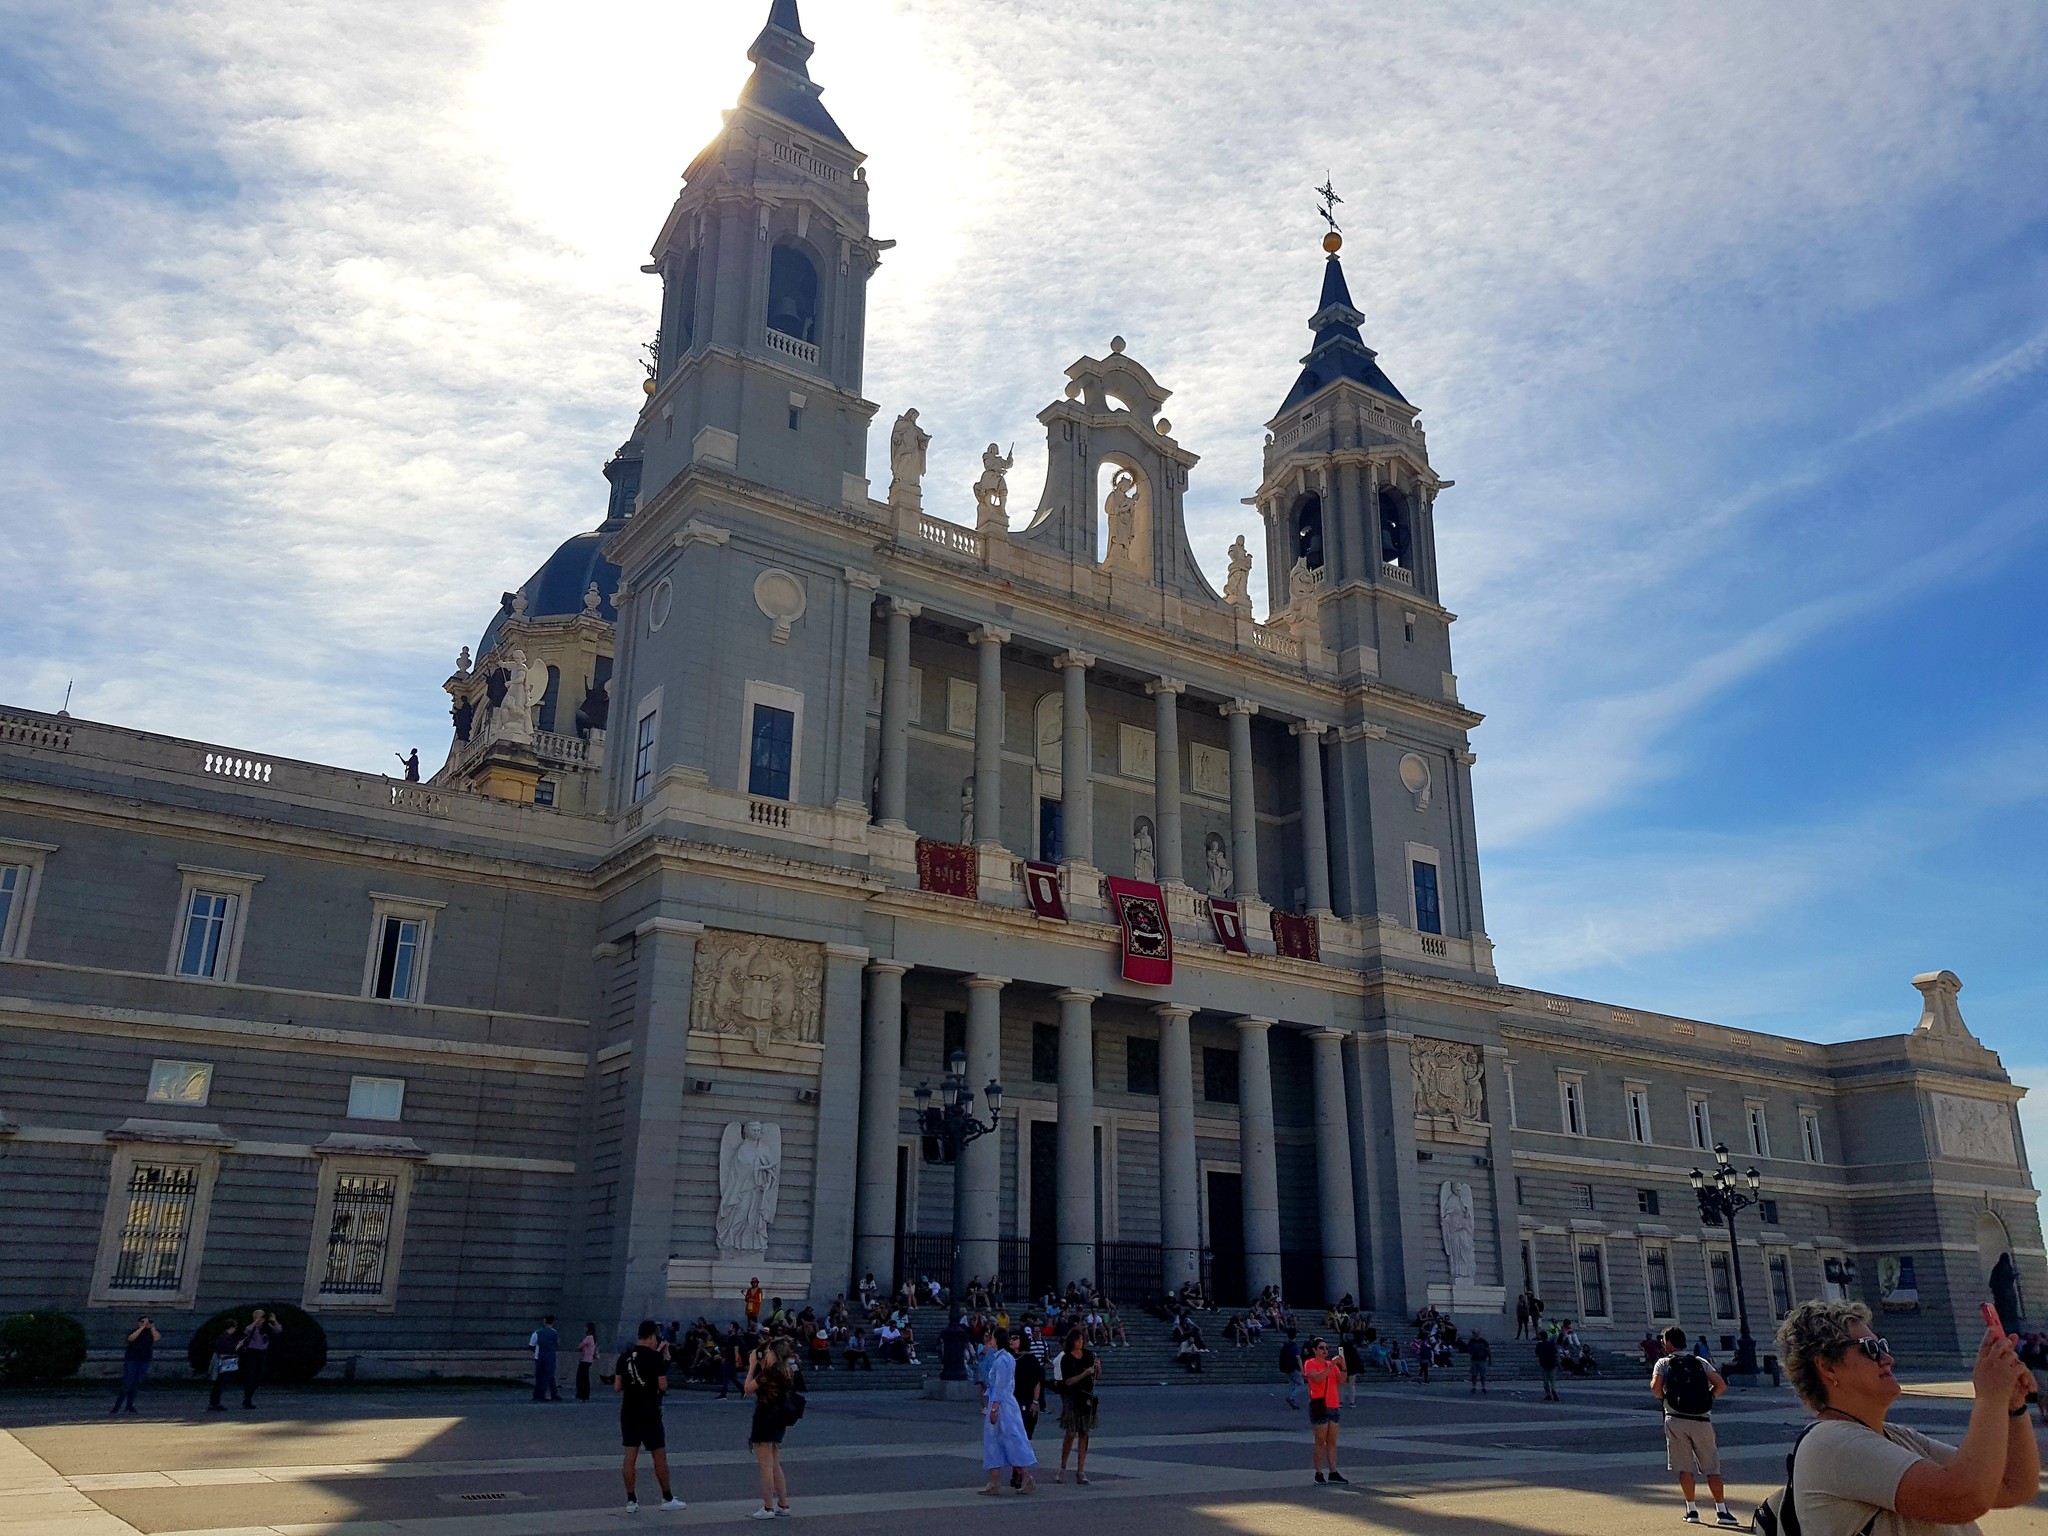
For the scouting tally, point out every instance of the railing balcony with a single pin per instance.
(557, 748)
(1276, 644)
(954, 538)
(1397, 573)
(804, 352)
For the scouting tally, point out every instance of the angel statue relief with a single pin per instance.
(992, 490)
(1237, 586)
(749, 1179)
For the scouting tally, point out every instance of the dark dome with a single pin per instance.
(555, 591)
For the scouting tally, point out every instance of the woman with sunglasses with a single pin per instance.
(1325, 1379)
(1854, 1472)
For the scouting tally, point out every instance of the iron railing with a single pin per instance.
(159, 1223)
(359, 1234)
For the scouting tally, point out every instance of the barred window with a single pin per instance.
(157, 1233)
(359, 1234)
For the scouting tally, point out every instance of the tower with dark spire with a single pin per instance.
(764, 262)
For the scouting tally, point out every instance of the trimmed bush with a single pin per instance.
(298, 1354)
(40, 1348)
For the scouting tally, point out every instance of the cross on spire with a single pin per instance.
(1328, 194)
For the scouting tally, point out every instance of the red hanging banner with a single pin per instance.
(1229, 924)
(1042, 886)
(950, 869)
(1295, 936)
(1148, 938)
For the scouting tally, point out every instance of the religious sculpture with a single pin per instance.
(992, 490)
(967, 811)
(907, 444)
(1458, 1225)
(1450, 1079)
(1237, 591)
(1977, 1129)
(1218, 858)
(749, 1180)
(1121, 508)
(595, 711)
(761, 992)
(464, 715)
(1144, 864)
(514, 720)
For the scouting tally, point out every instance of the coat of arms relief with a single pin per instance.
(1450, 1089)
(754, 1002)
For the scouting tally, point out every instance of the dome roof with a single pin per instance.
(555, 591)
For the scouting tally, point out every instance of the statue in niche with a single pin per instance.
(967, 811)
(749, 1181)
(1458, 1225)
(992, 490)
(1144, 864)
(1237, 587)
(1121, 507)
(907, 445)
(1218, 859)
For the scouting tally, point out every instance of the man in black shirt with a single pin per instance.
(640, 1380)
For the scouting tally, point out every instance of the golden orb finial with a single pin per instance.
(1333, 242)
(647, 386)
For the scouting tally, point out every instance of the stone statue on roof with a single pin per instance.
(907, 444)
(992, 490)
(1237, 588)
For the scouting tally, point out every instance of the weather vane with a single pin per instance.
(1330, 199)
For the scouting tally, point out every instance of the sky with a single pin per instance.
(1730, 323)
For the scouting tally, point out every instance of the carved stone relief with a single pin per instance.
(1977, 1129)
(754, 1002)
(1450, 1083)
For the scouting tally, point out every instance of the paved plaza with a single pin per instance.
(483, 1461)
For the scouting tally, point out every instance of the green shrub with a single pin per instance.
(38, 1348)
(298, 1354)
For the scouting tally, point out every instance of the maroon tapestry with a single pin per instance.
(1042, 886)
(950, 869)
(1229, 924)
(1148, 939)
(1295, 936)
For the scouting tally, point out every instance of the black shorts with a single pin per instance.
(642, 1430)
(1321, 1413)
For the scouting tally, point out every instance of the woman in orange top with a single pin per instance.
(1325, 1379)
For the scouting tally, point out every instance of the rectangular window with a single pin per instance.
(953, 1040)
(1592, 1280)
(1721, 1277)
(398, 958)
(1639, 1114)
(376, 1098)
(768, 759)
(1582, 1196)
(1767, 1212)
(1051, 842)
(643, 755)
(1219, 1075)
(1428, 913)
(1646, 1202)
(208, 918)
(1759, 1130)
(1809, 1135)
(157, 1231)
(13, 891)
(1571, 1092)
(180, 1082)
(544, 792)
(1657, 1272)
(1045, 1053)
(359, 1232)
(1702, 1122)
(1141, 1064)
(1781, 1285)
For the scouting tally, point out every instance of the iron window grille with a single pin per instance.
(359, 1234)
(158, 1227)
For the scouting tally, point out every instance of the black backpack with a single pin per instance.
(1778, 1515)
(1688, 1389)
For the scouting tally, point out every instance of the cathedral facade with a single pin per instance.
(778, 797)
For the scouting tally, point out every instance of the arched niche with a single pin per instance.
(1123, 514)
(793, 293)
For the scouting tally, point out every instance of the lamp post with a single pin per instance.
(952, 1123)
(1721, 1196)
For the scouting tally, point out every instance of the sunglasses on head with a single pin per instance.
(1876, 1349)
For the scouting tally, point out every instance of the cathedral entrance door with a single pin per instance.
(1226, 1239)
(1045, 1206)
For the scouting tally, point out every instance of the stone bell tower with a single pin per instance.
(764, 263)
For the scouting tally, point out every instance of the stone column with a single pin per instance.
(834, 1182)
(1255, 1159)
(881, 1100)
(1076, 1181)
(1315, 837)
(988, 738)
(1166, 777)
(651, 1137)
(896, 714)
(1077, 809)
(1244, 824)
(1180, 1171)
(978, 1175)
(1335, 1205)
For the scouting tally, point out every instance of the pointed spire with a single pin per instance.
(1339, 351)
(781, 82)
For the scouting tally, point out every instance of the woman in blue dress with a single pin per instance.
(1004, 1445)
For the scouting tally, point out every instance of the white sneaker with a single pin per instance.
(673, 1503)
(764, 1514)
(632, 1506)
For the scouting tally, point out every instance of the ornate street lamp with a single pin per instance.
(952, 1124)
(1720, 1197)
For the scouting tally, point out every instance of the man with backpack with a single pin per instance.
(1687, 1386)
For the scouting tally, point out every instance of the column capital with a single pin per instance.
(1238, 707)
(866, 580)
(1173, 1011)
(1308, 728)
(988, 634)
(991, 983)
(904, 606)
(1161, 685)
(847, 952)
(1076, 995)
(1327, 1032)
(888, 967)
(1247, 1024)
(1067, 659)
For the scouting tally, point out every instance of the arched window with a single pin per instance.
(1308, 532)
(793, 294)
(1397, 530)
(686, 308)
